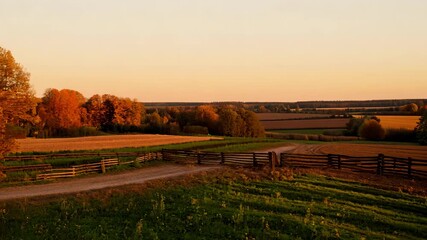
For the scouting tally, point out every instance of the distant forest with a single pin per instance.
(367, 107)
(301, 104)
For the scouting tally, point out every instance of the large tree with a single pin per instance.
(62, 109)
(16, 97)
(421, 129)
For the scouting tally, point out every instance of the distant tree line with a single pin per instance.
(63, 113)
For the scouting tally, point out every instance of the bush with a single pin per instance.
(353, 125)
(421, 129)
(193, 129)
(16, 131)
(333, 132)
(400, 135)
(372, 130)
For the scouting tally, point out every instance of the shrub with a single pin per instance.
(16, 131)
(371, 130)
(313, 137)
(400, 135)
(421, 129)
(193, 129)
(353, 125)
(333, 132)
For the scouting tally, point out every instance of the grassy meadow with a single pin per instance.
(223, 206)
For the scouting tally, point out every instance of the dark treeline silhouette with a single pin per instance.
(393, 106)
(67, 113)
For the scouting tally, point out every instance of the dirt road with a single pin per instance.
(99, 182)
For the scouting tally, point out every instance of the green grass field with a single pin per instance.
(224, 207)
(304, 131)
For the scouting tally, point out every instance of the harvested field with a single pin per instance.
(102, 142)
(280, 116)
(306, 123)
(408, 122)
(351, 149)
(362, 150)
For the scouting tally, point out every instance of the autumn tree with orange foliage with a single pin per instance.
(206, 115)
(16, 98)
(62, 109)
(119, 112)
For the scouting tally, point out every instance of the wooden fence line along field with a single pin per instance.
(73, 155)
(244, 159)
(79, 169)
(101, 166)
(37, 167)
(381, 164)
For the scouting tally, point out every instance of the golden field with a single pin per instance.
(408, 122)
(102, 142)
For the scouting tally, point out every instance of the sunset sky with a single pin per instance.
(222, 50)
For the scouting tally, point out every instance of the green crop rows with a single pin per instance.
(307, 207)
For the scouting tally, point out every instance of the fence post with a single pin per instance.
(103, 166)
(254, 159)
(329, 160)
(339, 162)
(164, 156)
(282, 159)
(273, 161)
(199, 159)
(380, 164)
(222, 158)
(409, 167)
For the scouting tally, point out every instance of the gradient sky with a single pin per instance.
(222, 50)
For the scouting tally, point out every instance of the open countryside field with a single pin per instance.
(281, 116)
(223, 206)
(103, 142)
(306, 124)
(408, 122)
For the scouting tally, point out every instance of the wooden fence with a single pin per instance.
(101, 166)
(36, 167)
(79, 169)
(73, 155)
(381, 164)
(242, 159)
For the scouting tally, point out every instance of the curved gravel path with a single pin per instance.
(101, 181)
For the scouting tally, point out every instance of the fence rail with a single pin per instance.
(244, 159)
(36, 167)
(72, 155)
(380, 164)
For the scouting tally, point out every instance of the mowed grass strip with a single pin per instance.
(224, 207)
(281, 116)
(329, 123)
